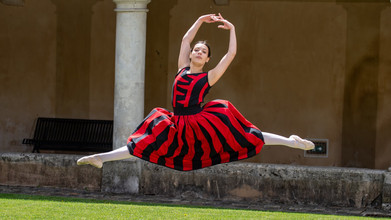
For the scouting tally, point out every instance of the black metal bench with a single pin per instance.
(72, 135)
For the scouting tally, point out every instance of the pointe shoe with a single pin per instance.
(92, 160)
(302, 143)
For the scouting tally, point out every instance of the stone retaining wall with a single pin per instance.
(51, 170)
(325, 186)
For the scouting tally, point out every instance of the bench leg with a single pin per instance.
(36, 149)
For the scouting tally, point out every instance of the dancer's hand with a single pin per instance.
(226, 24)
(209, 18)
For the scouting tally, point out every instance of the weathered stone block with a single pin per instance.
(52, 170)
(122, 176)
(387, 191)
(269, 183)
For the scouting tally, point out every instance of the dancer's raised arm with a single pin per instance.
(218, 71)
(183, 59)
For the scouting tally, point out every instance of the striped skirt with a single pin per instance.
(217, 134)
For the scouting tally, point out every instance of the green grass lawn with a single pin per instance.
(16, 206)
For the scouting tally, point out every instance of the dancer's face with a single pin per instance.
(199, 54)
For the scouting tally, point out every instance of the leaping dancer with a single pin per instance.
(194, 136)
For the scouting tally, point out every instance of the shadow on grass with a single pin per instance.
(103, 201)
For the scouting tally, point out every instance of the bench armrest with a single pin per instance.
(28, 141)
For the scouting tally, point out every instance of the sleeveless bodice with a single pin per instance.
(188, 91)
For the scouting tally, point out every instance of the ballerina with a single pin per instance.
(194, 136)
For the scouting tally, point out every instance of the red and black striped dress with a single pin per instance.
(194, 137)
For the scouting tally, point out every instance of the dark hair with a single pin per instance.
(204, 43)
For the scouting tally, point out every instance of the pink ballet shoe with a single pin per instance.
(302, 143)
(92, 160)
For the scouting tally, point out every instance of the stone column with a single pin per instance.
(129, 68)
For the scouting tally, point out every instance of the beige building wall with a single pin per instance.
(289, 71)
(289, 76)
(27, 69)
(383, 126)
(56, 60)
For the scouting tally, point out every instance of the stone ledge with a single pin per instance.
(325, 186)
(54, 170)
(266, 183)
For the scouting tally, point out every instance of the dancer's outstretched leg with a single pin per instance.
(293, 141)
(122, 153)
(97, 160)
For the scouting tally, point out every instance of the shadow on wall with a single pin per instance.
(73, 57)
(360, 114)
(13, 2)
